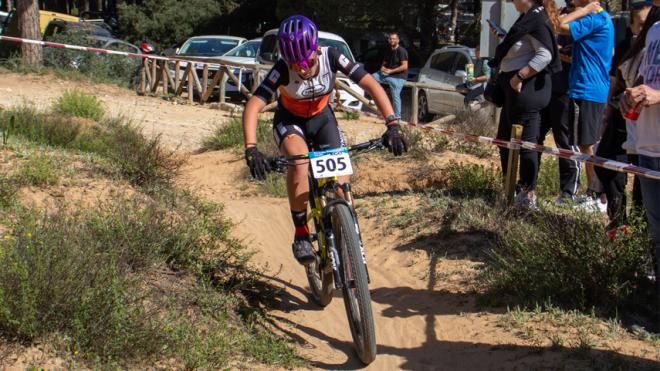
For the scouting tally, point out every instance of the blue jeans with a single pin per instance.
(651, 198)
(396, 85)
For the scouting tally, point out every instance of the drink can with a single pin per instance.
(469, 69)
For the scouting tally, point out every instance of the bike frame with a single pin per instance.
(321, 204)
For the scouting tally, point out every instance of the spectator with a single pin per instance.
(615, 141)
(394, 70)
(526, 58)
(556, 117)
(592, 32)
(645, 98)
(477, 83)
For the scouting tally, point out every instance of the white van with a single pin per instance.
(268, 54)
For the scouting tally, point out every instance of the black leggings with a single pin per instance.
(523, 108)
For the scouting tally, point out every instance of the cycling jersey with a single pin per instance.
(308, 98)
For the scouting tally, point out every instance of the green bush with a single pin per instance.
(8, 190)
(421, 143)
(39, 171)
(471, 180)
(143, 161)
(38, 127)
(350, 116)
(475, 123)
(74, 64)
(85, 275)
(568, 259)
(77, 103)
(230, 135)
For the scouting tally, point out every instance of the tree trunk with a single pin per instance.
(9, 6)
(453, 6)
(428, 25)
(28, 26)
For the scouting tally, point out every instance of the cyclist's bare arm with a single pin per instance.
(250, 115)
(371, 86)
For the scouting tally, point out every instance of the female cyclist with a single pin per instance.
(305, 78)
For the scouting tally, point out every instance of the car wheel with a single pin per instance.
(423, 114)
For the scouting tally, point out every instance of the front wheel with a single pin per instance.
(357, 297)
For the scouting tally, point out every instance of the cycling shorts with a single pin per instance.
(319, 132)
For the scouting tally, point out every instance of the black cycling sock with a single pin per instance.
(300, 222)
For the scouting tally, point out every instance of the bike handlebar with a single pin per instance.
(281, 163)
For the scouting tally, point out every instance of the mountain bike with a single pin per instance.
(340, 256)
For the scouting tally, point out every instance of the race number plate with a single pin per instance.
(331, 163)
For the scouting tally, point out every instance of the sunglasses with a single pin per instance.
(307, 65)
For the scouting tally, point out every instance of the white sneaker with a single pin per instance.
(592, 204)
(523, 199)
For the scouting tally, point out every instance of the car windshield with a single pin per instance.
(248, 50)
(339, 45)
(207, 47)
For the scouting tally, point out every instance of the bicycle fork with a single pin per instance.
(348, 195)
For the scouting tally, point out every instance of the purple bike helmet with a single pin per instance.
(298, 40)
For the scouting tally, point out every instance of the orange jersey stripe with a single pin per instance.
(304, 108)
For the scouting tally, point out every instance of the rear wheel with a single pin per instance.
(318, 276)
(423, 108)
(357, 297)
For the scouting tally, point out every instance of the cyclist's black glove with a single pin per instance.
(256, 161)
(393, 140)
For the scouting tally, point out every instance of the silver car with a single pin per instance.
(445, 68)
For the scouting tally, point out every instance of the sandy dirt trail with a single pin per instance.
(422, 323)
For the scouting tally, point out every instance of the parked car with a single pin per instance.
(268, 54)
(445, 68)
(95, 34)
(10, 28)
(3, 18)
(206, 47)
(244, 54)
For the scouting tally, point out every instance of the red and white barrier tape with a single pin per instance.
(563, 153)
(108, 51)
(516, 144)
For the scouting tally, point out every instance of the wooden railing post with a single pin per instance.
(512, 165)
(143, 79)
(415, 105)
(177, 70)
(166, 74)
(191, 91)
(154, 76)
(223, 88)
(205, 80)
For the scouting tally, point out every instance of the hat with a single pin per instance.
(636, 4)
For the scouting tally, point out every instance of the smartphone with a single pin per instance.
(500, 31)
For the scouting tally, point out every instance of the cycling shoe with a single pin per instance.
(303, 250)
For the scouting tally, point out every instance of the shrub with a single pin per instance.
(54, 130)
(143, 161)
(8, 190)
(471, 180)
(568, 259)
(39, 171)
(421, 144)
(230, 135)
(76, 65)
(84, 275)
(77, 103)
(475, 123)
(350, 115)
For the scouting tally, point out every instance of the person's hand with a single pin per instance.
(494, 32)
(393, 140)
(472, 80)
(516, 83)
(593, 7)
(626, 103)
(385, 70)
(256, 161)
(643, 95)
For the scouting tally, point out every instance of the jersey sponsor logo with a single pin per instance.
(344, 61)
(273, 76)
